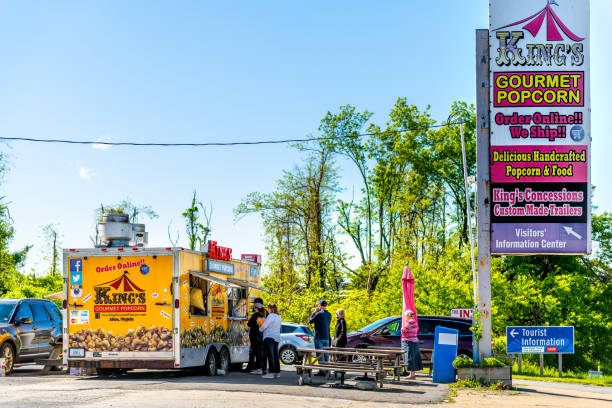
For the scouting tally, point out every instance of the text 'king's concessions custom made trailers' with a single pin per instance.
(135, 307)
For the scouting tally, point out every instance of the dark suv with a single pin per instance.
(28, 329)
(387, 332)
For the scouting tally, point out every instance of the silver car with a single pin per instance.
(293, 337)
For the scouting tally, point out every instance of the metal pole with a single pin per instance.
(483, 201)
(560, 365)
(471, 237)
(541, 364)
(469, 211)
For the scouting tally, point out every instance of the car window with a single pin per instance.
(6, 310)
(426, 326)
(429, 326)
(464, 328)
(23, 312)
(392, 329)
(40, 313)
(305, 329)
(287, 329)
(374, 325)
(53, 311)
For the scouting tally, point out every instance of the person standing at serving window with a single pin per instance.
(271, 337)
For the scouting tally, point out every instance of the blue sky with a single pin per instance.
(195, 71)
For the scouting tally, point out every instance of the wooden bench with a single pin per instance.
(426, 363)
(312, 360)
(391, 363)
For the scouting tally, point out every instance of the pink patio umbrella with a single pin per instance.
(408, 291)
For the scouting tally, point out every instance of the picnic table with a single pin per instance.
(426, 363)
(374, 363)
(393, 353)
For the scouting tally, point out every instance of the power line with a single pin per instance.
(212, 144)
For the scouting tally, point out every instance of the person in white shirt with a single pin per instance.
(271, 333)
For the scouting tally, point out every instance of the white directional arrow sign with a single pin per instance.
(570, 231)
(513, 333)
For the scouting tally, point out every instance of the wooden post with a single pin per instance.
(483, 201)
(520, 362)
(541, 363)
(560, 365)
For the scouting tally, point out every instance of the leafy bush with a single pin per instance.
(463, 362)
(491, 362)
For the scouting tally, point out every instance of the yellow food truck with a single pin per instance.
(127, 306)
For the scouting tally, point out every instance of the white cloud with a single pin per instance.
(85, 173)
(100, 146)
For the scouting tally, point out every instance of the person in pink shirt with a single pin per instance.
(410, 344)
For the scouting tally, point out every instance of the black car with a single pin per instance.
(386, 332)
(28, 329)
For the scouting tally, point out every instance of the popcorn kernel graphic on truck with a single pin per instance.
(141, 339)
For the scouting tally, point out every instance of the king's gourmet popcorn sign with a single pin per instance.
(540, 126)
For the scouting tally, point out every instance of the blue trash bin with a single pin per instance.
(444, 352)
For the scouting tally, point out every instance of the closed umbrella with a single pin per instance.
(408, 291)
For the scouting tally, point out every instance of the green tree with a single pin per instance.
(52, 250)
(197, 222)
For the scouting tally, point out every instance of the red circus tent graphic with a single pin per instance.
(128, 285)
(553, 24)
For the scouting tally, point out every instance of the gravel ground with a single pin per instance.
(152, 389)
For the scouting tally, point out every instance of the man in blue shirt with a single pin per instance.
(321, 319)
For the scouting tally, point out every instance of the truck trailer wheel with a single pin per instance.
(210, 365)
(224, 362)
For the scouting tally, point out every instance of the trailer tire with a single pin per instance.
(210, 364)
(224, 361)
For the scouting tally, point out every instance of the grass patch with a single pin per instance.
(532, 372)
(605, 381)
(476, 384)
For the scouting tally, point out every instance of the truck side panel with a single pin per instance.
(214, 326)
(119, 307)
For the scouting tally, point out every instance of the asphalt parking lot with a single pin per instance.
(28, 388)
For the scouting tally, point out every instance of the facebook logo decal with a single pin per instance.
(76, 265)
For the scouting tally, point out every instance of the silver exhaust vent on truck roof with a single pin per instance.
(116, 230)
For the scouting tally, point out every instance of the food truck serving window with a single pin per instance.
(237, 304)
(198, 295)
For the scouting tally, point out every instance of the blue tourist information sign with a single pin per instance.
(539, 339)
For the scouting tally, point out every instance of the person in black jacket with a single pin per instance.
(255, 337)
(340, 330)
(340, 333)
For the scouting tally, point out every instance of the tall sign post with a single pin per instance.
(534, 135)
(483, 201)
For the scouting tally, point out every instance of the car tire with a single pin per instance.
(288, 355)
(224, 362)
(210, 364)
(7, 351)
